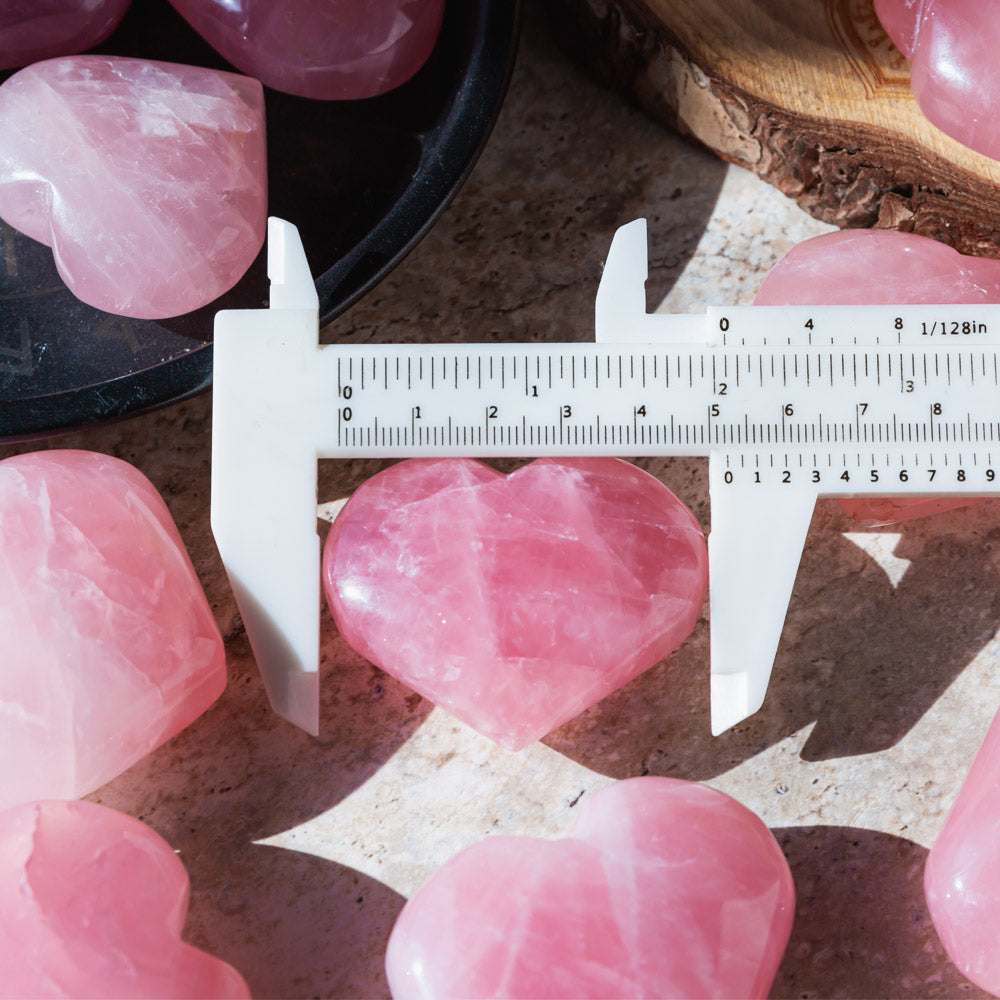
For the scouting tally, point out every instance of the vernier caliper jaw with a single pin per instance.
(757, 536)
(264, 475)
(788, 404)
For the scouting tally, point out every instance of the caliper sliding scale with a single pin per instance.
(788, 403)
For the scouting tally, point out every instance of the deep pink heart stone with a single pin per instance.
(147, 179)
(962, 876)
(952, 45)
(92, 904)
(871, 266)
(517, 601)
(327, 49)
(664, 888)
(39, 29)
(107, 644)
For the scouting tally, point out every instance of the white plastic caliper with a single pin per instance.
(788, 403)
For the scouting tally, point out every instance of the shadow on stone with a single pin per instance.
(295, 925)
(860, 657)
(528, 233)
(861, 924)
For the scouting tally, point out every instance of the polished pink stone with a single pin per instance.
(664, 888)
(92, 904)
(147, 179)
(39, 29)
(327, 49)
(962, 876)
(870, 266)
(107, 644)
(517, 601)
(900, 19)
(861, 266)
(952, 45)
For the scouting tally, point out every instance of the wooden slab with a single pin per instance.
(811, 95)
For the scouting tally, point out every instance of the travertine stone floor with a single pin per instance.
(301, 851)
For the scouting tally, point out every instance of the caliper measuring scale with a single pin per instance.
(788, 403)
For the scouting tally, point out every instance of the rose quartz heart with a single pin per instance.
(327, 49)
(39, 29)
(517, 601)
(92, 904)
(664, 888)
(107, 644)
(953, 46)
(862, 266)
(147, 179)
(871, 266)
(962, 876)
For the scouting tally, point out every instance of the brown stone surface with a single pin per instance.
(302, 850)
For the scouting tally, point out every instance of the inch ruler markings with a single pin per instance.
(788, 404)
(862, 414)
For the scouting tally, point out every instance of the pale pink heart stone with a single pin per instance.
(962, 876)
(664, 888)
(952, 45)
(147, 179)
(92, 904)
(866, 266)
(326, 49)
(871, 266)
(40, 29)
(517, 601)
(107, 644)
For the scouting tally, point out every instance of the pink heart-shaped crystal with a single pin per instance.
(92, 904)
(962, 877)
(107, 644)
(147, 179)
(515, 601)
(326, 49)
(871, 266)
(664, 888)
(39, 29)
(953, 46)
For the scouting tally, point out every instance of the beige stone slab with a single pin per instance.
(301, 850)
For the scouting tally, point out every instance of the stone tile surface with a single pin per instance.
(302, 850)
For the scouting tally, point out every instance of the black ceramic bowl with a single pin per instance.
(362, 180)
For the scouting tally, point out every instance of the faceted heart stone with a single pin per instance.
(107, 644)
(962, 876)
(952, 45)
(147, 179)
(664, 888)
(92, 904)
(327, 49)
(872, 266)
(39, 29)
(517, 601)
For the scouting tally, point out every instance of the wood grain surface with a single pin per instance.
(812, 96)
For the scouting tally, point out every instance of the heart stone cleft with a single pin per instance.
(662, 888)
